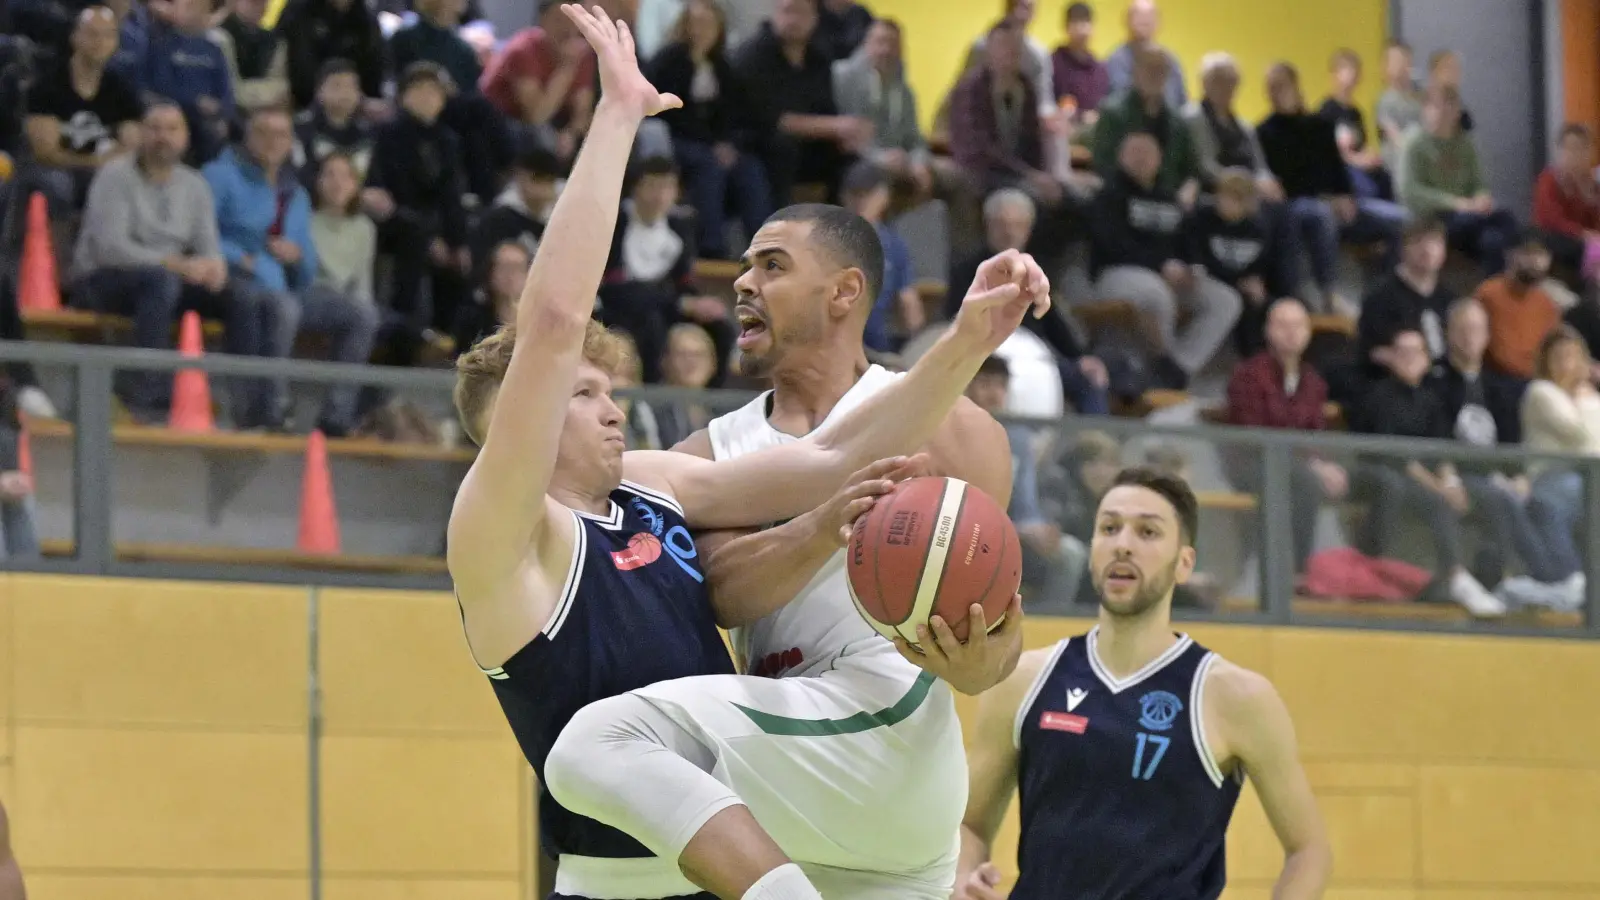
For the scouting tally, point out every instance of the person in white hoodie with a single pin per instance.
(346, 242)
(1560, 414)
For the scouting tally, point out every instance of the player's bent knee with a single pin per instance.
(577, 771)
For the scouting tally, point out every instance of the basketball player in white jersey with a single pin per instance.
(552, 478)
(852, 758)
(1085, 728)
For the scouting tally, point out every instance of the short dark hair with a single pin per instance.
(1421, 227)
(336, 66)
(1173, 489)
(995, 365)
(1529, 238)
(846, 239)
(655, 165)
(540, 162)
(1079, 12)
(426, 71)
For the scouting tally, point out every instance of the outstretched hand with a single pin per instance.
(1009, 285)
(984, 660)
(621, 82)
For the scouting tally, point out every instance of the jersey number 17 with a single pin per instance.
(1154, 746)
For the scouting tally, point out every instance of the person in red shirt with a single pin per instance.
(543, 81)
(1566, 200)
(1276, 388)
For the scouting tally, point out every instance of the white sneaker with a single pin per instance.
(1566, 595)
(34, 403)
(1474, 597)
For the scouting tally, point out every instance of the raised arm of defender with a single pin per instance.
(502, 501)
(790, 479)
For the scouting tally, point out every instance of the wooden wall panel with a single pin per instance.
(1517, 826)
(160, 800)
(446, 806)
(51, 885)
(343, 888)
(147, 652)
(395, 661)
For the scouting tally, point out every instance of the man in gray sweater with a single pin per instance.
(149, 249)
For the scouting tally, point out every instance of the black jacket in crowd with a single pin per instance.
(1234, 251)
(714, 121)
(1052, 328)
(1302, 150)
(1136, 226)
(316, 31)
(1393, 306)
(420, 166)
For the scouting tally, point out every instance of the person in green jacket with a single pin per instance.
(1441, 176)
(1143, 107)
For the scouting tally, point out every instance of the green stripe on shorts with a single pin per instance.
(772, 723)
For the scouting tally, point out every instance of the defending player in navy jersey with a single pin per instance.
(572, 560)
(1128, 746)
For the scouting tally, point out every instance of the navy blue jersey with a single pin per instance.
(634, 611)
(1121, 799)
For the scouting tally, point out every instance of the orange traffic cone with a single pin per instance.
(38, 289)
(191, 391)
(319, 522)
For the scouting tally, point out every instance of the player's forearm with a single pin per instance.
(1305, 874)
(572, 258)
(974, 852)
(905, 416)
(753, 576)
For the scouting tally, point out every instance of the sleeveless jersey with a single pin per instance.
(1121, 798)
(805, 635)
(633, 611)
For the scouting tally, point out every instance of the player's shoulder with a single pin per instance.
(1007, 697)
(1241, 701)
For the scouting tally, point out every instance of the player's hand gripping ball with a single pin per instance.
(933, 546)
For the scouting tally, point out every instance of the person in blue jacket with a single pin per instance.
(264, 226)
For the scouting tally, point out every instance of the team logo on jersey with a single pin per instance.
(651, 518)
(642, 550)
(1158, 710)
(1074, 697)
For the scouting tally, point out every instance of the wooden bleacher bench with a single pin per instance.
(1332, 412)
(255, 442)
(1341, 326)
(194, 554)
(79, 324)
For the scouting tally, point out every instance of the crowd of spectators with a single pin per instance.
(380, 173)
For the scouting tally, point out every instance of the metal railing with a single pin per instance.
(1272, 453)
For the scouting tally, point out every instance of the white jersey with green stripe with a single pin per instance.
(807, 635)
(851, 756)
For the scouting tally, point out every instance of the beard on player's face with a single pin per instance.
(784, 335)
(1152, 587)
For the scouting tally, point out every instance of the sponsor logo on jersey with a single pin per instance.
(642, 550)
(773, 664)
(1060, 721)
(1074, 697)
(1158, 710)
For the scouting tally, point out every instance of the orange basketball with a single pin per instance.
(933, 545)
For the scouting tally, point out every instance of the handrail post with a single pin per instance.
(1591, 547)
(1277, 527)
(93, 458)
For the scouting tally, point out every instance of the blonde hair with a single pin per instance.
(480, 371)
(1237, 183)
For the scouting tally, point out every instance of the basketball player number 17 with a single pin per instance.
(1156, 746)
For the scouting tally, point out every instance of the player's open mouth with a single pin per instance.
(752, 326)
(1122, 575)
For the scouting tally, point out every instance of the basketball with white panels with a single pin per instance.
(933, 545)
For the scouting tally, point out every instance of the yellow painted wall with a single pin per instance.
(1257, 32)
(153, 745)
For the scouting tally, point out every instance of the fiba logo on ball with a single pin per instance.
(933, 546)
